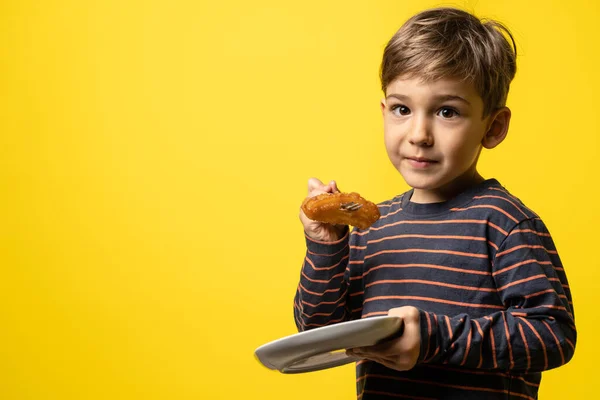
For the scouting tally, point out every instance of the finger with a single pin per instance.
(333, 186)
(396, 362)
(387, 346)
(377, 359)
(411, 336)
(370, 355)
(411, 333)
(314, 183)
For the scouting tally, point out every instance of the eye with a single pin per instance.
(448, 113)
(399, 109)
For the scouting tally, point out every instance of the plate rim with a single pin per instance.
(315, 341)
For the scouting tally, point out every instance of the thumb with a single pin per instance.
(411, 335)
(333, 186)
(314, 183)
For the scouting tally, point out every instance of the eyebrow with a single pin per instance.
(442, 97)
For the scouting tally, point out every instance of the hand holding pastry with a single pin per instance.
(324, 232)
(326, 209)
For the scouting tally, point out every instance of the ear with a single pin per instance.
(382, 106)
(497, 129)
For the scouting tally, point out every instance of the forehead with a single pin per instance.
(419, 89)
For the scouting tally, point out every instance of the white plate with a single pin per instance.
(325, 347)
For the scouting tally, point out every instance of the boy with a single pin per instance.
(473, 272)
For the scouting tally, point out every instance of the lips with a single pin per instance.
(421, 159)
(420, 162)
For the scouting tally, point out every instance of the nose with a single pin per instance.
(420, 132)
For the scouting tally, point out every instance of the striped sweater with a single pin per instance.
(495, 305)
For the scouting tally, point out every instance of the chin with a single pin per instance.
(421, 181)
(422, 185)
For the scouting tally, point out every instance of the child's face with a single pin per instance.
(433, 134)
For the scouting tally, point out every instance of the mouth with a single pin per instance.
(420, 162)
(421, 159)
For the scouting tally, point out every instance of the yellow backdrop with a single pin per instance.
(153, 156)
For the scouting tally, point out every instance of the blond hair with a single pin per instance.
(451, 43)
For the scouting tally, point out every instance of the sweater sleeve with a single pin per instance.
(325, 295)
(536, 329)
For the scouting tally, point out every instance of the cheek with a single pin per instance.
(393, 132)
(464, 145)
(392, 142)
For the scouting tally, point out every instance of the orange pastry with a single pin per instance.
(341, 208)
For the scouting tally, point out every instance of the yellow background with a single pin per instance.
(153, 156)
